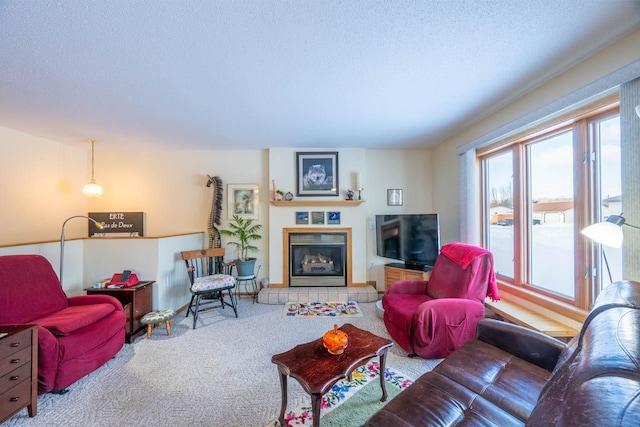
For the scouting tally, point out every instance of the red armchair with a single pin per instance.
(432, 318)
(76, 335)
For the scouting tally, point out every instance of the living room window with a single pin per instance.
(539, 189)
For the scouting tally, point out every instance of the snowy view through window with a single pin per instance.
(551, 207)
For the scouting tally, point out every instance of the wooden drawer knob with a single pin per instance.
(14, 399)
(15, 344)
(14, 378)
(15, 360)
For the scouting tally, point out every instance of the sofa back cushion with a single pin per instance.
(29, 289)
(449, 280)
(597, 378)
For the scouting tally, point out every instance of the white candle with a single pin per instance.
(358, 180)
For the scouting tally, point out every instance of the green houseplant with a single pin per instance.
(244, 231)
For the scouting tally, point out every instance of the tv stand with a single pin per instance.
(399, 271)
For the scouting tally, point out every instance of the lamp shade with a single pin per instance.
(92, 190)
(606, 233)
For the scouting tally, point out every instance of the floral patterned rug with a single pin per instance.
(340, 394)
(322, 309)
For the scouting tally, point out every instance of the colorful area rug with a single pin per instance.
(350, 403)
(322, 309)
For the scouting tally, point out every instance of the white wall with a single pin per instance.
(150, 258)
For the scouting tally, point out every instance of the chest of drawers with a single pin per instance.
(18, 370)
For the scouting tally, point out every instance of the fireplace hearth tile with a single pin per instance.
(284, 295)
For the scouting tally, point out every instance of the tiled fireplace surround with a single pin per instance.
(319, 293)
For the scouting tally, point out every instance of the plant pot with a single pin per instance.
(245, 268)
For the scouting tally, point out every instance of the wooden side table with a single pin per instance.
(398, 271)
(18, 370)
(317, 370)
(136, 300)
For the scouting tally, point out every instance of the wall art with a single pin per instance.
(317, 173)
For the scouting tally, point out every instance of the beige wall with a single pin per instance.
(40, 185)
(380, 170)
(446, 168)
(169, 186)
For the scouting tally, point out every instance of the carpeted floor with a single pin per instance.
(219, 374)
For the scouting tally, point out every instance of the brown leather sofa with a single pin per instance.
(510, 376)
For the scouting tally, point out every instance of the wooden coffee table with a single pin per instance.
(317, 370)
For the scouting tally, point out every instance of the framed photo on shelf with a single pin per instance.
(317, 217)
(302, 217)
(394, 197)
(333, 218)
(317, 173)
(242, 200)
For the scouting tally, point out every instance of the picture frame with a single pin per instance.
(302, 218)
(242, 200)
(317, 173)
(333, 218)
(394, 197)
(317, 217)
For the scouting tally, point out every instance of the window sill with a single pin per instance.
(556, 310)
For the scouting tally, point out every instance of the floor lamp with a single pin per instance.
(98, 224)
(608, 233)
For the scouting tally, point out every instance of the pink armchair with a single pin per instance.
(433, 318)
(76, 335)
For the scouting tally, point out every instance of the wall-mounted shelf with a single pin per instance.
(316, 202)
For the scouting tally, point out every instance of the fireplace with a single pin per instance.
(317, 257)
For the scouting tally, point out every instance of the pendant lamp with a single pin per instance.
(92, 189)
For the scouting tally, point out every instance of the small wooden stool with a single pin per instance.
(155, 318)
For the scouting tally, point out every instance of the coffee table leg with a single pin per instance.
(283, 390)
(316, 399)
(383, 362)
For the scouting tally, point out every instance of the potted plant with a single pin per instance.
(244, 231)
(279, 195)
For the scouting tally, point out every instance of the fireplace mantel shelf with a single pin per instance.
(316, 202)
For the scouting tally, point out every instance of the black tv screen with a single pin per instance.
(412, 238)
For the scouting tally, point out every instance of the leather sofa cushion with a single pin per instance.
(601, 380)
(499, 377)
(478, 384)
(73, 318)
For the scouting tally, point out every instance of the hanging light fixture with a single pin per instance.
(92, 189)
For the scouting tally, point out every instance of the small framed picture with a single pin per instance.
(394, 197)
(302, 217)
(317, 217)
(242, 200)
(333, 217)
(317, 173)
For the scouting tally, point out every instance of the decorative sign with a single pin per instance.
(117, 224)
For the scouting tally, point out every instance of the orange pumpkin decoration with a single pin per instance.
(335, 340)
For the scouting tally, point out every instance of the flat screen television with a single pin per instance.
(411, 238)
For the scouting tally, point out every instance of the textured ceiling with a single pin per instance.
(247, 74)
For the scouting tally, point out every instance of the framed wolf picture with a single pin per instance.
(317, 173)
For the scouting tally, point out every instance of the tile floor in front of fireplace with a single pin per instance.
(319, 294)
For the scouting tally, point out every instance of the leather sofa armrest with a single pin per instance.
(414, 287)
(95, 299)
(529, 345)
